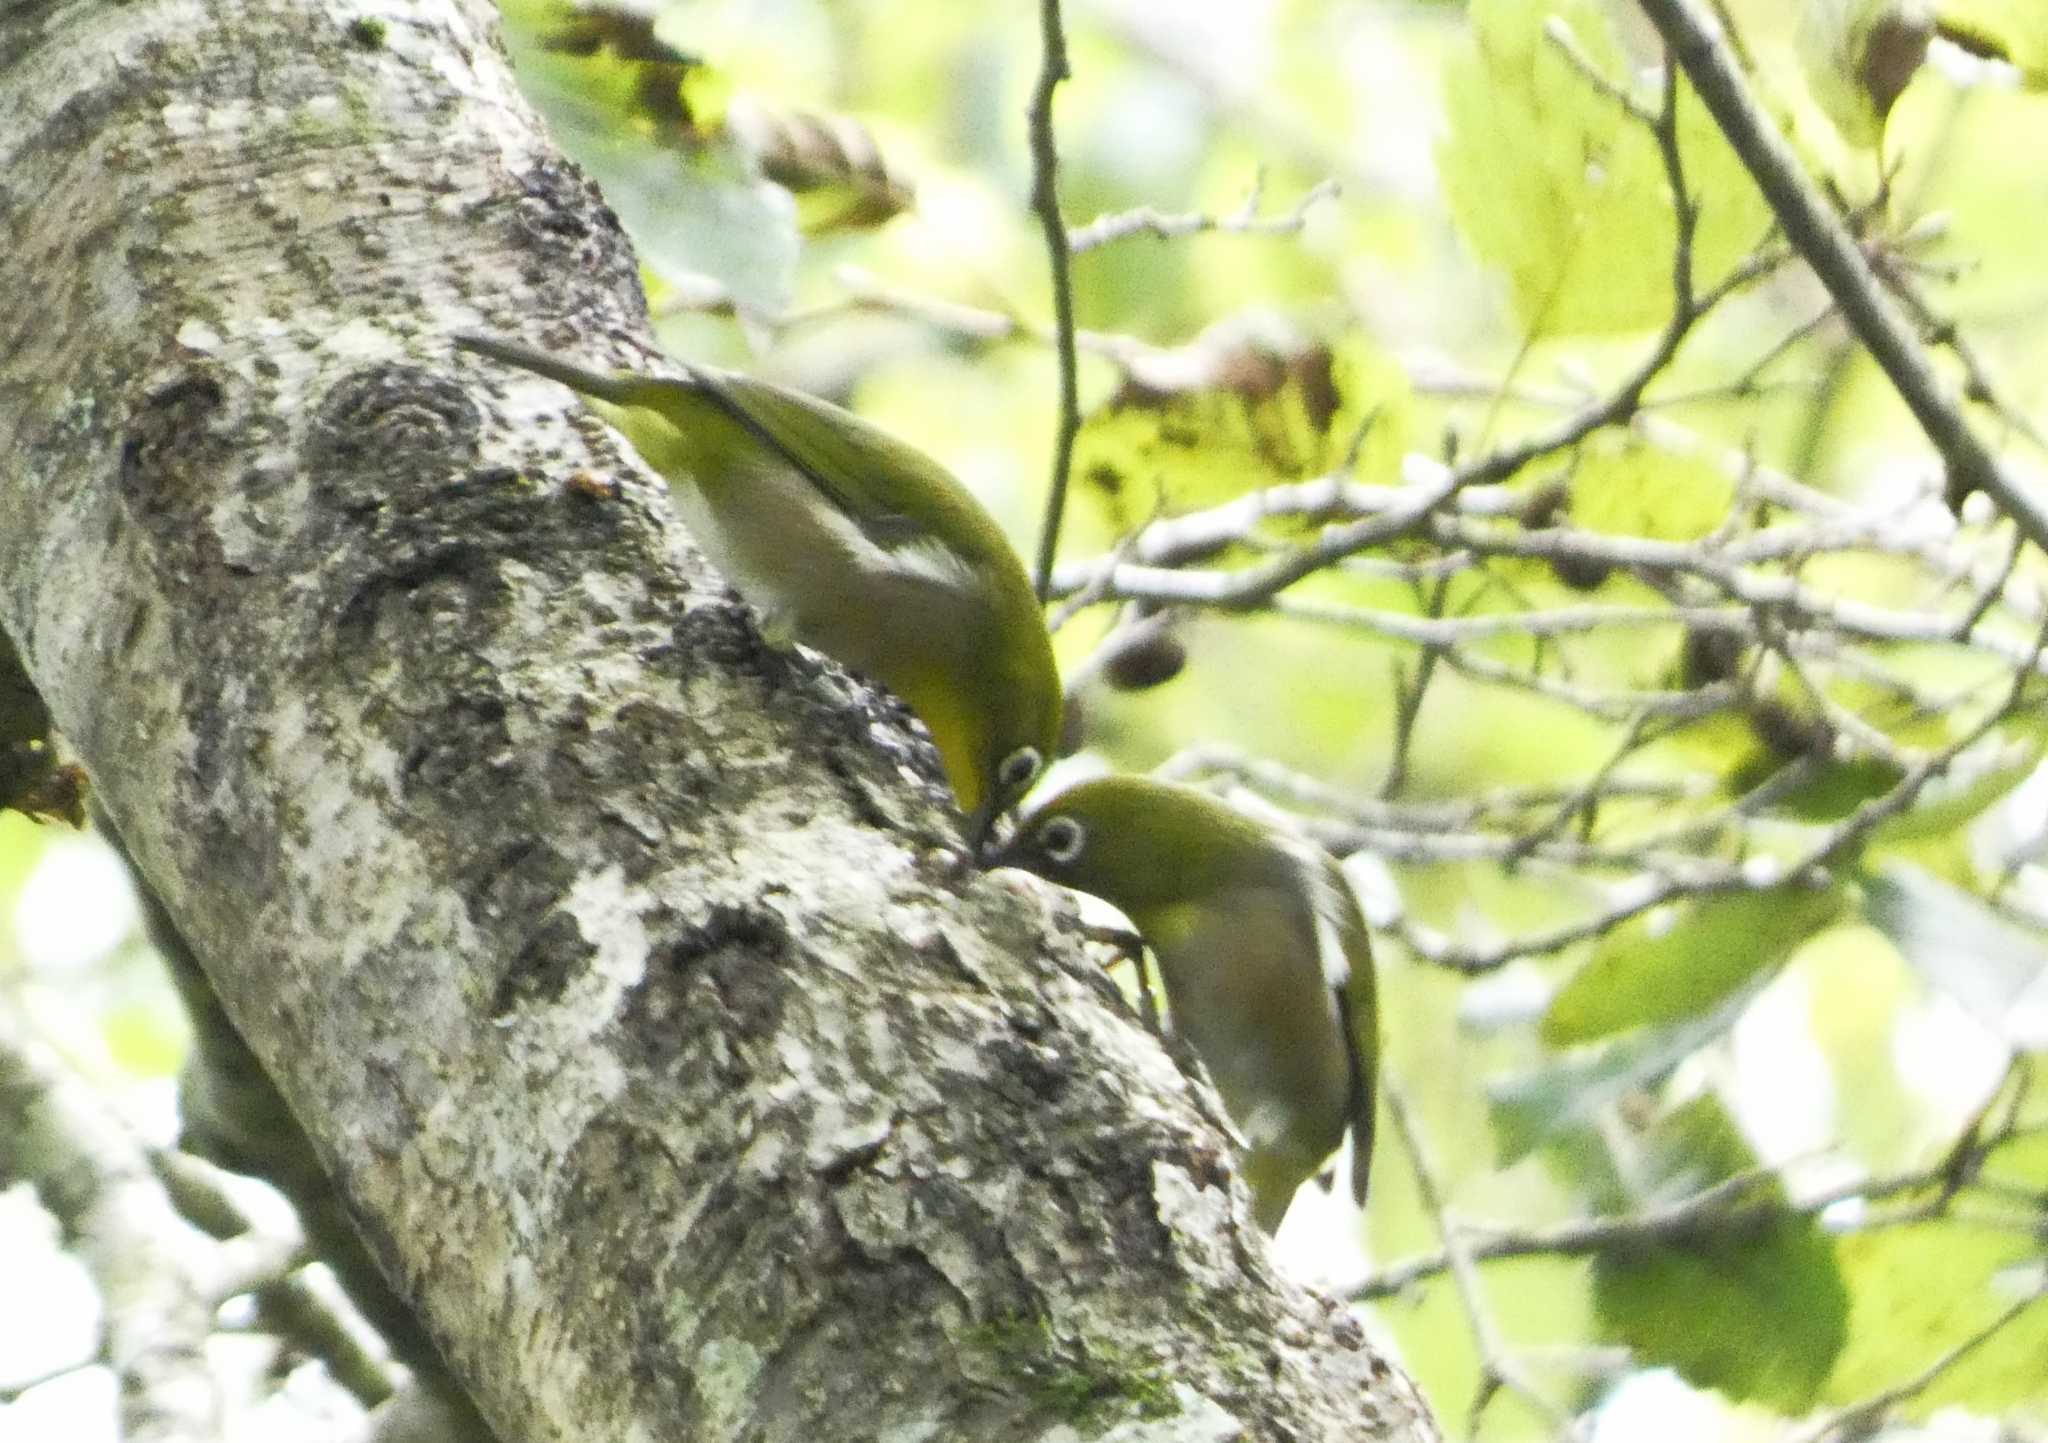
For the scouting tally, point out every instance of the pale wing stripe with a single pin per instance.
(1329, 906)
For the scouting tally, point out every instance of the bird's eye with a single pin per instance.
(1019, 769)
(1062, 839)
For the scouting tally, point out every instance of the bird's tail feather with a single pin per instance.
(621, 388)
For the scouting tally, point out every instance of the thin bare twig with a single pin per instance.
(1045, 200)
(1246, 220)
(1939, 330)
(1558, 31)
(1496, 1368)
(1734, 1205)
(1409, 690)
(1670, 1223)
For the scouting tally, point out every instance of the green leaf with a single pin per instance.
(1759, 1316)
(1991, 963)
(1833, 789)
(647, 122)
(1858, 993)
(1980, 777)
(1624, 486)
(1976, 781)
(1759, 1313)
(1550, 181)
(1920, 1292)
(1661, 968)
(1240, 408)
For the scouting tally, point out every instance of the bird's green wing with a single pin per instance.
(895, 493)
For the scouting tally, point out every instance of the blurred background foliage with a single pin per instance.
(1688, 768)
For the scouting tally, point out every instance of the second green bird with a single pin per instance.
(850, 541)
(1264, 952)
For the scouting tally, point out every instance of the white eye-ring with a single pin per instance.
(1062, 839)
(1019, 769)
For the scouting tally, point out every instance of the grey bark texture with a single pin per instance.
(624, 973)
(232, 1115)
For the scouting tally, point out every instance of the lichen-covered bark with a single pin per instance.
(624, 972)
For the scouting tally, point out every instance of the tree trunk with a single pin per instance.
(625, 973)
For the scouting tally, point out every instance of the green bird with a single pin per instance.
(846, 539)
(1263, 950)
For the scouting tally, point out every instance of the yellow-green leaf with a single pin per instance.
(1623, 486)
(647, 121)
(1553, 183)
(1920, 1292)
(1241, 408)
(1660, 967)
